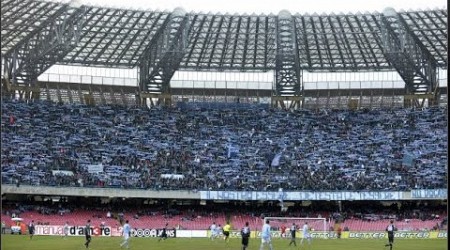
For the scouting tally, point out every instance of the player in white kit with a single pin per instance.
(266, 236)
(213, 229)
(66, 230)
(306, 233)
(126, 232)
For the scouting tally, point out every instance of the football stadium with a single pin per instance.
(125, 128)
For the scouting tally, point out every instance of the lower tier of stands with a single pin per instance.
(201, 223)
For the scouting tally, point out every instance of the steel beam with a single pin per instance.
(408, 55)
(288, 85)
(163, 57)
(42, 48)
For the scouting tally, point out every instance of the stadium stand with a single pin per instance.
(201, 217)
(388, 133)
(45, 143)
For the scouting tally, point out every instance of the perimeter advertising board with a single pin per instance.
(73, 230)
(172, 233)
(152, 232)
(397, 235)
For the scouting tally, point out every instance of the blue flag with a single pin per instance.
(276, 160)
(408, 159)
(232, 151)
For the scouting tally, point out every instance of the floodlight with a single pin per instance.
(389, 11)
(179, 12)
(284, 14)
(75, 3)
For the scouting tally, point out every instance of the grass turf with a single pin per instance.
(18, 242)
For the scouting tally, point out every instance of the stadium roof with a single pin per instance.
(118, 37)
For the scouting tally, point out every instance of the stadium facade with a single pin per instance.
(393, 59)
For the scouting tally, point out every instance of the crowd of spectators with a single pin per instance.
(252, 148)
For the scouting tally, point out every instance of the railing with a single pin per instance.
(84, 79)
(317, 94)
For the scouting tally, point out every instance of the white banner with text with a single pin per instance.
(324, 195)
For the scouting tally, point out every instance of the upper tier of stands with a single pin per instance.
(223, 149)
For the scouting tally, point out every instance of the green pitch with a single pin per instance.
(19, 242)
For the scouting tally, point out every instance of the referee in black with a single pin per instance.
(245, 233)
(31, 229)
(293, 231)
(390, 230)
(164, 233)
(87, 233)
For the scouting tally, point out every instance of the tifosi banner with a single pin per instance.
(146, 232)
(73, 230)
(324, 195)
(302, 195)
